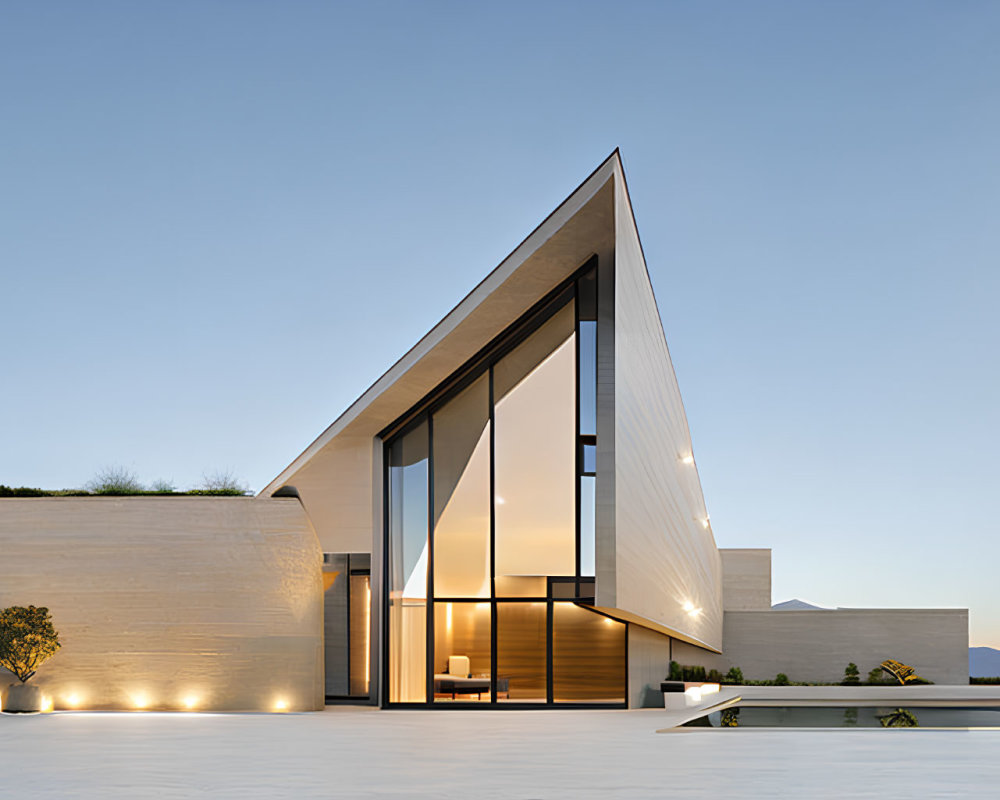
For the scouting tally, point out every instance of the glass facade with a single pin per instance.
(491, 506)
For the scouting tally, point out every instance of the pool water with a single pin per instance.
(849, 717)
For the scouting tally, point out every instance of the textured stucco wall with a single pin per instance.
(746, 579)
(160, 599)
(667, 567)
(817, 645)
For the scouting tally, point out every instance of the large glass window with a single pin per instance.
(588, 654)
(492, 525)
(407, 580)
(535, 393)
(462, 652)
(521, 652)
(462, 494)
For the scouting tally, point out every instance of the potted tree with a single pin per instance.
(27, 640)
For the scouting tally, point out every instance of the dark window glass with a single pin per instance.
(588, 378)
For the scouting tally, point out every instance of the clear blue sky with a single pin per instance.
(203, 203)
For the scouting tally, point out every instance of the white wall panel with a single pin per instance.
(667, 567)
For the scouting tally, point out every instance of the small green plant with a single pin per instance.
(781, 679)
(693, 674)
(714, 676)
(734, 676)
(162, 486)
(851, 675)
(221, 482)
(27, 640)
(876, 678)
(676, 674)
(115, 480)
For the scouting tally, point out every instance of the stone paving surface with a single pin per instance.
(361, 753)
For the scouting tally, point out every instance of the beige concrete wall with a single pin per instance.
(746, 579)
(218, 599)
(667, 568)
(817, 645)
(648, 665)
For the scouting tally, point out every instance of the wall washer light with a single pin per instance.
(688, 459)
(280, 705)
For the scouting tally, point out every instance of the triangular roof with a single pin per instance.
(579, 227)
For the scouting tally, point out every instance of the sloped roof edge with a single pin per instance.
(597, 179)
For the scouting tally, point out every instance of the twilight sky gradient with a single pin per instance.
(221, 221)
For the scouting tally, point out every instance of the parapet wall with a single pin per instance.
(210, 602)
(817, 645)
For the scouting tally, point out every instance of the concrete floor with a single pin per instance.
(477, 754)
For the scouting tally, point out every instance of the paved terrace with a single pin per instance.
(361, 753)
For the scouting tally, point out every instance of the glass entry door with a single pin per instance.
(347, 625)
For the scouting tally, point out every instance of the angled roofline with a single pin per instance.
(612, 164)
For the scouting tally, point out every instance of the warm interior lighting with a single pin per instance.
(448, 614)
(190, 702)
(688, 459)
(500, 501)
(47, 705)
(281, 705)
(140, 701)
(608, 621)
(368, 631)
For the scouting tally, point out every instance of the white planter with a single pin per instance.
(22, 698)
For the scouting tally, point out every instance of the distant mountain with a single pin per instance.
(796, 605)
(984, 662)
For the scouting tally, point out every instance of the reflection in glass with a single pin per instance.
(462, 494)
(588, 656)
(588, 524)
(462, 651)
(521, 651)
(408, 567)
(360, 632)
(535, 447)
(587, 296)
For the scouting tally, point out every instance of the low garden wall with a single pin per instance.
(181, 603)
(817, 645)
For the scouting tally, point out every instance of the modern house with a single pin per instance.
(511, 516)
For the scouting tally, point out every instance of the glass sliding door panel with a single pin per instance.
(360, 632)
(521, 652)
(462, 494)
(462, 652)
(588, 656)
(535, 452)
(407, 579)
